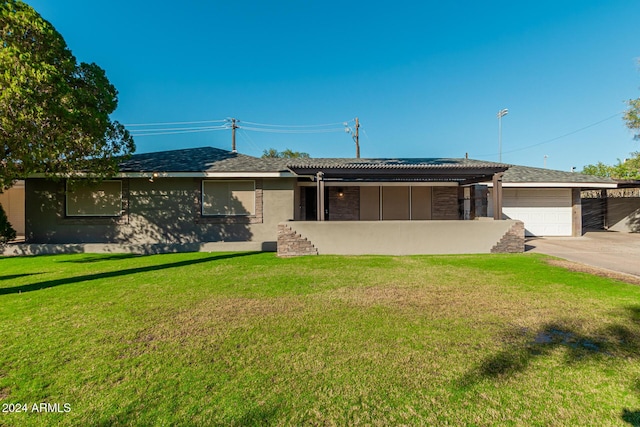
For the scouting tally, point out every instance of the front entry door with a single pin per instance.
(311, 204)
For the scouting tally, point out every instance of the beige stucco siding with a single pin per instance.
(395, 203)
(369, 203)
(12, 201)
(623, 214)
(420, 203)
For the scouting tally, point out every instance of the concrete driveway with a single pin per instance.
(610, 250)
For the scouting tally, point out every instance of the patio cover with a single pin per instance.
(461, 171)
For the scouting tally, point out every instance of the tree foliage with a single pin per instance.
(7, 233)
(632, 116)
(286, 154)
(628, 169)
(54, 112)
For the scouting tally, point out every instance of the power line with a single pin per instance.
(181, 129)
(557, 137)
(174, 123)
(247, 138)
(297, 126)
(137, 135)
(290, 131)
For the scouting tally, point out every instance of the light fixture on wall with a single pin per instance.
(340, 192)
(153, 176)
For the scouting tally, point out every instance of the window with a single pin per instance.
(229, 198)
(103, 199)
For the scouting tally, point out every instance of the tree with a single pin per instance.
(286, 154)
(7, 233)
(54, 112)
(599, 169)
(628, 169)
(632, 116)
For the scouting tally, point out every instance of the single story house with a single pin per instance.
(210, 199)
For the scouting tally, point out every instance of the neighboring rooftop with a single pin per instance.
(523, 174)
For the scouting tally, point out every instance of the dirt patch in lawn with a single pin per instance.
(602, 272)
(216, 317)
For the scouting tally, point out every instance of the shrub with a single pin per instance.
(7, 232)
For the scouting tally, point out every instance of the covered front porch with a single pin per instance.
(395, 206)
(393, 189)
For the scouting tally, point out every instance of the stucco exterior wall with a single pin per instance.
(12, 201)
(165, 211)
(623, 214)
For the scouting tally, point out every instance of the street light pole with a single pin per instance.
(500, 115)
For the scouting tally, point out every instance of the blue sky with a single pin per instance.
(425, 78)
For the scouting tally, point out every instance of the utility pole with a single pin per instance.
(234, 126)
(355, 134)
(356, 138)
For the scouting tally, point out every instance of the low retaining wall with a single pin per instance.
(402, 237)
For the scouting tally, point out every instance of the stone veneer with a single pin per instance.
(291, 243)
(445, 203)
(345, 207)
(512, 241)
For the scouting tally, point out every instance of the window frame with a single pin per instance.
(251, 214)
(91, 215)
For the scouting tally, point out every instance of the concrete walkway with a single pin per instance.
(610, 250)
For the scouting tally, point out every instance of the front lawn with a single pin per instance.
(250, 339)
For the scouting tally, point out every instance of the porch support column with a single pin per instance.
(467, 203)
(576, 212)
(497, 195)
(320, 194)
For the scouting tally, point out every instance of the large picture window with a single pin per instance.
(229, 198)
(103, 199)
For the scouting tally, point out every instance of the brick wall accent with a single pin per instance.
(512, 242)
(445, 203)
(292, 244)
(345, 208)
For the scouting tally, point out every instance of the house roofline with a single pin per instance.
(283, 174)
(555, 185)
(159, 174)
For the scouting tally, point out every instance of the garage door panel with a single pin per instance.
(542, 198)
(544, 211)
(542, 221)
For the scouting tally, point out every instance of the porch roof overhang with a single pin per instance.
(460, 171)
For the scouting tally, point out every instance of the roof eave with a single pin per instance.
(555, 184)
(204, 174)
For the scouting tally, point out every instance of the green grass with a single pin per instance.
(250, 339)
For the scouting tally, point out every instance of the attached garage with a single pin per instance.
(546, 201)
(544, 211)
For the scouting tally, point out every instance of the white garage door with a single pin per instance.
(544, 211)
